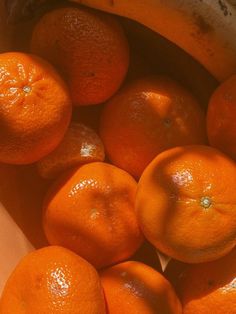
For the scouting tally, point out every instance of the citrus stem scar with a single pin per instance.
(205, 202)
(27, 89)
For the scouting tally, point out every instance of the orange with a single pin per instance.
(186, 203)
(80, 145)
(90, 49)
(209, 287)
(91, 211)
(35, 108)
(221, 123)
(133, 287)
(53, 280)
(147, 117)
(165, 57)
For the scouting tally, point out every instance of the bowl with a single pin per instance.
(21, 188)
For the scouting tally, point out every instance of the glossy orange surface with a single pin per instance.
(35, 108)
(186, 203)
(209, 287)
(221, 123)
(79, 146)
(147, 117)
(133, 287)
(89, 48)
(53, 280)
(90, 210)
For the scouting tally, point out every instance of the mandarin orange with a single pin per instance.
(53, 280)
(80, 145)
(35, 108)
(209, 287)
(133, 287)
(90, 210)
(221, 123)
(186, 203)
(88, 46)
(147, 117)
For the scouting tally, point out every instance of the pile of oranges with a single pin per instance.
(133, 165)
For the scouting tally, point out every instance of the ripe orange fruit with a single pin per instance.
(88, 46)
(35, 108)
(186, 203)
(221, 123)
(147, 117)
(91, 211)
(80, 145)
(209, 287)
(53, 280)
(133, 287)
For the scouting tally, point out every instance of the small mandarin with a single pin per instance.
(221, 123)
(80, 145)
(35, 108)
(147, 117)
(89, 47)
(186, 203)
(209, 287)
(133, 287)
(90, 210)
(53, 280)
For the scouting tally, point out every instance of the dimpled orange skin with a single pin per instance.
(80, 145)
(133, 287)
(221, 123)
(35, 108)
(91, 211)
(88, 46)
(209, 287)
(186, 203)
(53, 280)
(147, 117)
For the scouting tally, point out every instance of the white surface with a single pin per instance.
(13, 245)
(164, 260)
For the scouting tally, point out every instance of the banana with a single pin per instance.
(161, 56)
(205, 29)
